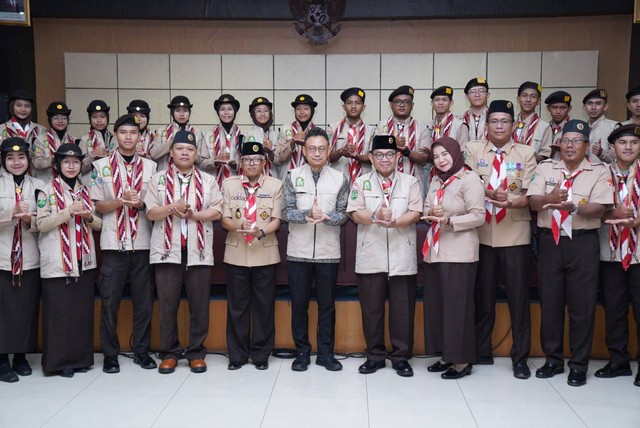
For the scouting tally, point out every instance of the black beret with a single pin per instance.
(58, 107)
(530, 85)
(352, 91)
(179, 101)
(402, 90)
(383, 142)
(558, 97)
(443, 90)
(260, 101)
(304, 99)
(576, 125)
(69, 149)
(138, 106)
(126, 120)
(251, 148)
(476, 81)
(14, 144)
(185, 137)
(98, 105)
(226, 99)
(501, 106)
(632, 93)
(596, 93)
(623, 131)
(21, 94)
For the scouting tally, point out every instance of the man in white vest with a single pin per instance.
(315, 201)
(386, 204)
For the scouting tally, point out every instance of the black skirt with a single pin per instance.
(19, 312)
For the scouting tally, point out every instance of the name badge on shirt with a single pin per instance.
(482, 163)
(551, 181)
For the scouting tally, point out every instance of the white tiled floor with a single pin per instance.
(278, 397)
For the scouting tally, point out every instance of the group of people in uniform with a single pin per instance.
(491, 186)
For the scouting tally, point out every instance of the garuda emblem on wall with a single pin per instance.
(317, 19)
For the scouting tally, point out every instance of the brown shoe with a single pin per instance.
(198, 366)
(167, 366)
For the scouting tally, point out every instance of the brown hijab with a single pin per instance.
(453, 148)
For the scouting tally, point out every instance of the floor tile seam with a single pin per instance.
(70, 400)
(567, 403)
(266, 407)
(475, 421)
(169, 400)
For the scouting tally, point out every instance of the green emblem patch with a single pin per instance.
(299, 182)
(41, 202)
(354, 195)
(52, 200)
(287, 133)
(161, 180)
(366, 185)
(252, 139)
(106, 171)
(385, 129)
(45, 143)
(94, 174)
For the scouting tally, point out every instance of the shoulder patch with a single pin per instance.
(41, 202)
(106, 171)
(52, 200)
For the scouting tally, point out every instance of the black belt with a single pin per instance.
(574, 232)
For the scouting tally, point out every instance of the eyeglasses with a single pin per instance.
(252, 161)
(57, 117)
(402, 102)
(316, 149)
(575, 141)
(502, 122)
(477, 92)
(71, 163)
(388, 155)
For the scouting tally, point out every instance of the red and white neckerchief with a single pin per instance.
(397, 129)
(97, 139)
(267, 163)
(170, 131)
(16, 130)
(16, 245)
(146, 140)
(134, 175)
(219, 146)
(83, 243)
(531, 129)
(498, 180)
(52, 141)
(250, 209)
(170, 177)
(297, 158)
(355, 136)
(433, 234)
(558, 128)
(476, 124)
(623, 238)
(443, 128)
(561, 219)
(386, 184)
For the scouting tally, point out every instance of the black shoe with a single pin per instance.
(66, 373)
(110, 364)
(454, 374)
(7, 375)
(82, 370)
(549, 370)
(329, 362)
(145, 361)
(301, 363)
(235, 365)
(612, 370)
(576, 377)
(261, 365)
(371, 366)
(438, 367)
(637, 381)
(484, 361)
(22, 367)
(403, 368)
(521, 370)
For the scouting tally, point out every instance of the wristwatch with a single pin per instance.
(262, 234)
(406, 151)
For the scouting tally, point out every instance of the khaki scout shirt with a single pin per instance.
(459, 130)
(380, 249)
(108, 142)
(593, 185)
(514, 228)
(207, 150)
(268, 206)
(42, 154)
(463, 204)
(102, 189)
(342, 164)
(161, 145)
(598, 133)
(9, 129)
(155, 197)
(30, 253)
(258, 135)
(542, 136)
(476, 128)
(283, 149)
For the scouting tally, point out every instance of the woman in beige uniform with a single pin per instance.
(46, 144)
(21, 106)
(454, 207)
(67, 266)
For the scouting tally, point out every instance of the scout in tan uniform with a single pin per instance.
(445, 124)
(620, 253)
(67, 266)
(386, 204)
(506, 169)
(183, 201)
(180, 109)
(559, 106)
(118, 192)
(251, 213)
(20, 261)
(633, 104)
(46, 144)
(530, 129)
(595, 104)
(413, 137)
(350, 138)
(21, 105)
(220, 154)
(261, 111)
(477, 92)
(454, 208)
(314, 205)
(291, 140)
(571, 196)
(98, 142)
(142, 111)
